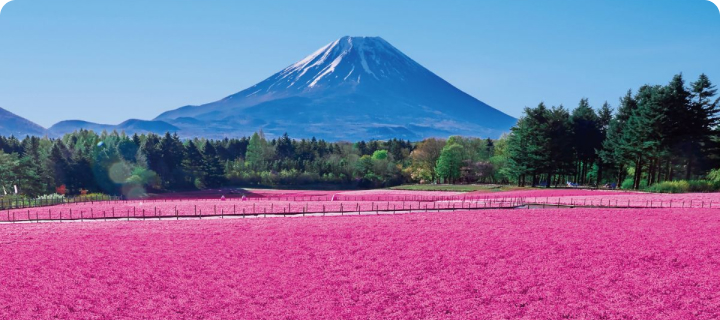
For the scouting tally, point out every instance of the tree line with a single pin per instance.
(116, 163)
(659, 133)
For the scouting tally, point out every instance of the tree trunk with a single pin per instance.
(577, 172)
(638, 173)
(651, 172)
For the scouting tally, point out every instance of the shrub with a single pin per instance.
(683, 186)
(628, 184)
(714, 176)
(53, 196)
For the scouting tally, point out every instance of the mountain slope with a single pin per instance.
(14, 125)
(353, 88)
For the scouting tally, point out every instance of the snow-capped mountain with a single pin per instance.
(14, 125)
(353, 88)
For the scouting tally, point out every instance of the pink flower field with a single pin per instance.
(489, 264)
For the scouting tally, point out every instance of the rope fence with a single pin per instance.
(22, 203)
(115, 209)
(248, 209)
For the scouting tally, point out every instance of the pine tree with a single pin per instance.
(171, 150)
(128, 149)
(605, 117)
(284, 148)
(586, 138)
(560, 135)
(644, 137)
(702, 148)
(615, 149)
(679, 124)
(214, 169)
(537, 142)
(58, 165)
(193, 166)
(151, 151)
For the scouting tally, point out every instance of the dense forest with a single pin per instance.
(116, 163)
(659, 133)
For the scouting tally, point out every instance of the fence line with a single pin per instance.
(258, 208)
(22, 203)
(136, 213)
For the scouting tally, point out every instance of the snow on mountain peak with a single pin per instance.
(364, 56)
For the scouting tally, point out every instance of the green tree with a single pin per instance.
(586, 138)
(214, 170)
(193, 166)
(701, 147)
(424, 159)
(284, 148)
(380, 155)
(257, 152)
(450, 162)
(616, 149)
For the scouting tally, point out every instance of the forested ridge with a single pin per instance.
(656, 134)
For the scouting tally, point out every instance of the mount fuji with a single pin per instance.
(351, 89)
(355, 88)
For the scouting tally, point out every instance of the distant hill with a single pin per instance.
(130, 126)
(14, 125)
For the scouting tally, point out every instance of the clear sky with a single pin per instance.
(107, 61)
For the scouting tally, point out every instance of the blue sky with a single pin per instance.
(107, 61)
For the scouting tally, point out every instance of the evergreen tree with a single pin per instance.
(701, 143)
(586, 138)
(153, 157)
(128, 149)
(193, 166)
(537, 145)
(58, 164)
(560, 136)
(284, 148)
(615, 149)
(605, 116)
(517, 150)
(644, 137)
(214, 170)
(171, 150)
